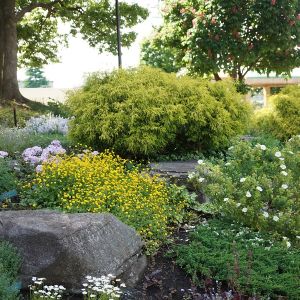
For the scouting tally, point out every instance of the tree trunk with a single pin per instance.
(9, 88)
(217, 77)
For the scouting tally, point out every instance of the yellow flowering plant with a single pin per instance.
(92, 182)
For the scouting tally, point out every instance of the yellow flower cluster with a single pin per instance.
(105, 183)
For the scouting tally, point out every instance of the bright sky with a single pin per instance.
(79, 59)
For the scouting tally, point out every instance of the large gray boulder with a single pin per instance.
(64, 248)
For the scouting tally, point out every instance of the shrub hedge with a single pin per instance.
(282, 118)
(145, 112)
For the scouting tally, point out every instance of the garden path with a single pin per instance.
(174, 169)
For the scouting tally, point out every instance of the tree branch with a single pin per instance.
(244, 73)
(35, 5)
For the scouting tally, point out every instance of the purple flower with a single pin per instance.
(39, 168)
(3, 154)
(37, 155)
(56, 143)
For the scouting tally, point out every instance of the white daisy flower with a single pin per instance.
(243, 179)
(275, 218)
(284, 186)
(248, 194)
(284, 173)
(266, 214)
(259, 188)
(283, 167)
(238, 204)
(278, 154)
(201, 179)
(263, 147)
(245, 209)
(200, 162)
(226, 199)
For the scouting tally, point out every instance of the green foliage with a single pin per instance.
(59, 109)
(249, 262)
(234, 36)
(39, 37)
(104, 182)
(7, 116)
(282, 119)
(10, 263)
(195, 155)
(8, 180)
(256, 186)
(156, 54)
(17, 140)
(145, 112)
(35, 78)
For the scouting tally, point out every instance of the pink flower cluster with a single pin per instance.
(36, 154)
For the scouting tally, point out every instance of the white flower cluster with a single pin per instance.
(94, 288)
(105, 285)
(41, 291)
(47, 124)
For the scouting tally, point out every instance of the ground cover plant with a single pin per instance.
(93, 288)
(30, 110)
(8, 179)
(7, 116)
(144, 112)
(37, 131)
(256, 186)
(9, 267)
(248, 263)
(93, 182)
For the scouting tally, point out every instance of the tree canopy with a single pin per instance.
(233, 36)
(39, 33)
(156, 54)
(30, 32)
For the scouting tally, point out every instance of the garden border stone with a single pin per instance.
(64, 248)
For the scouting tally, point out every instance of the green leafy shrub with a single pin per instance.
(257, 186)
(59, 109)
(8, 180)
(145, 112)
(92, 182)
(250, 263)
(282, 118)
(10, 263)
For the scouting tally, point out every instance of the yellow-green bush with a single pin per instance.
(282, 118)
(104, 182)
(146, 111)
